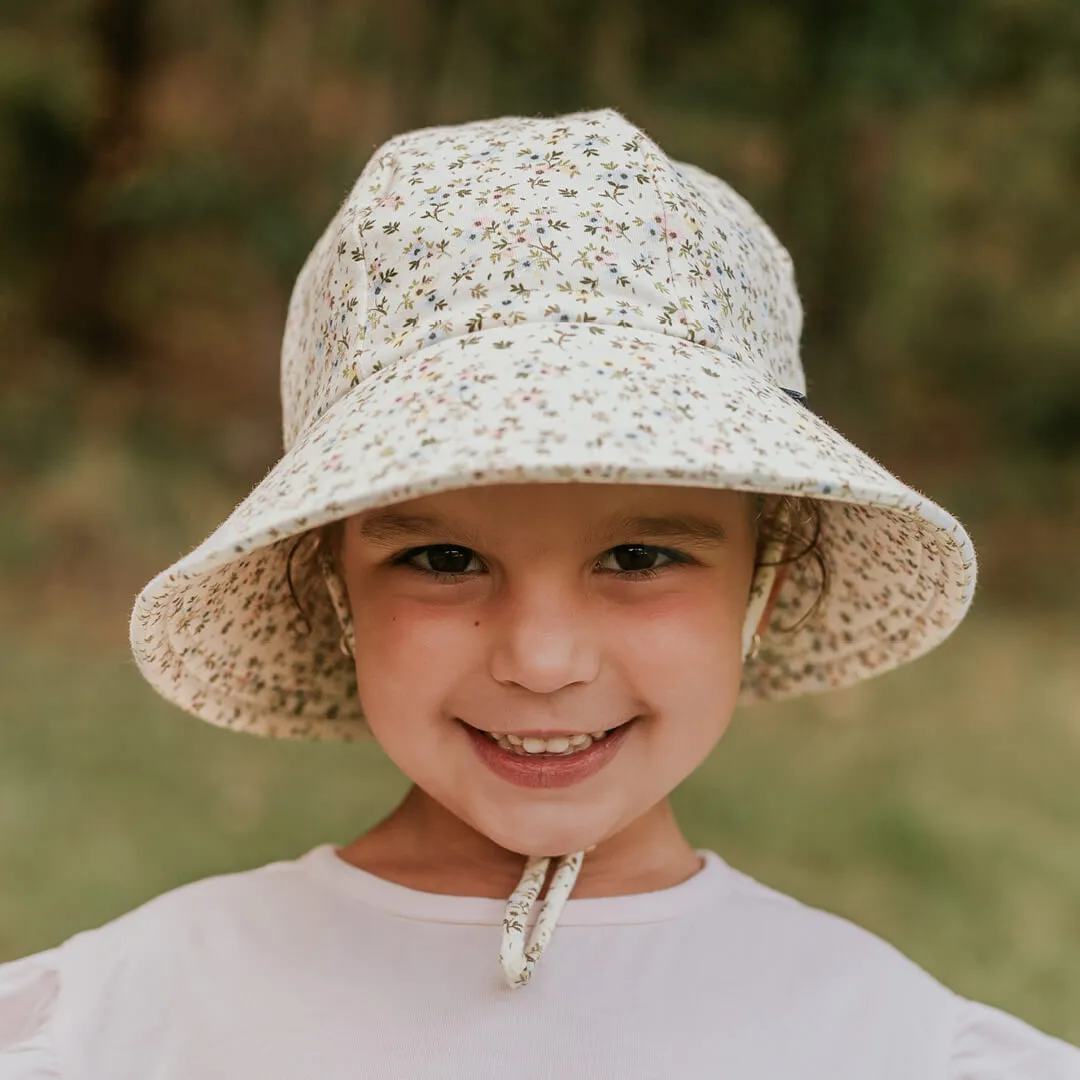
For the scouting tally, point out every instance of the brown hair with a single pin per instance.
(795, 521)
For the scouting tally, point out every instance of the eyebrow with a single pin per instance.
(686, 527)
(391, 526)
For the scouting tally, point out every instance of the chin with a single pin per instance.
(544, 835)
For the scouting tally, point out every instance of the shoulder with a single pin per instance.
(822, 948)
(879, 994)
(181, 933)
(28, 993)
(989, 1044)
(191, 920)
(103, 986)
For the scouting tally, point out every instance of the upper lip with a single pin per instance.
(545, 733)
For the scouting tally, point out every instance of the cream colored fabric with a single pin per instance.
(314, 969)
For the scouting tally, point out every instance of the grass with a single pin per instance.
(936, 806)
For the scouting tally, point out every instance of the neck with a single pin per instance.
(423, 846)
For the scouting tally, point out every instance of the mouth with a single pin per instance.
(560, 745)
(546, 759)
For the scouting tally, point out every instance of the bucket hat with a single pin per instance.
(542, 299)
(556, 300)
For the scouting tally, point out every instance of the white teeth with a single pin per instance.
(524, 746)
(531, 744)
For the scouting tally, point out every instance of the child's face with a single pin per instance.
(523, 610)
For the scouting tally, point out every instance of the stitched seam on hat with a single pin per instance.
(900, 655)
(654, 171)
(226, 695)
(901, 604)
(360, 354)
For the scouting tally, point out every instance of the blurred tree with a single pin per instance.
(410, 38)
(79, 296)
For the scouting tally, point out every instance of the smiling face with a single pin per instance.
(499, 630)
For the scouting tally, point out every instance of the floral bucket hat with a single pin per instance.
(555, 300)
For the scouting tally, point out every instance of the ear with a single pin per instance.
(778, 583)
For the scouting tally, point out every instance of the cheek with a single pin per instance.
(683, 658)
(408, 655)
(683, 633)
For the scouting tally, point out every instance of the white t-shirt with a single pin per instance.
(312, 968)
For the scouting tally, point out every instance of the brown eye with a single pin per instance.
(633, 558)
(641, 559)
(441, 558)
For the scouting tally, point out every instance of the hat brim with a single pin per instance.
(218, 632)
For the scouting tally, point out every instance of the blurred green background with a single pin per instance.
(165, 165)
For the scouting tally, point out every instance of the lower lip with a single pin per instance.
(547, 772)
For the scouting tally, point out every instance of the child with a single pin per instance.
(551, 504)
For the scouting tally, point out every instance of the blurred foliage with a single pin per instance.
(165, 166)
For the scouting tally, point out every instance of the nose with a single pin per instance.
(542, 639)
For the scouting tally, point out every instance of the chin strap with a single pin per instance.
(518, 959)
(760, 590)
(515, 957)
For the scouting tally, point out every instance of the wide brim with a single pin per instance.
(218, 633)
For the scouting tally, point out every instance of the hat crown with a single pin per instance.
(451, 232)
